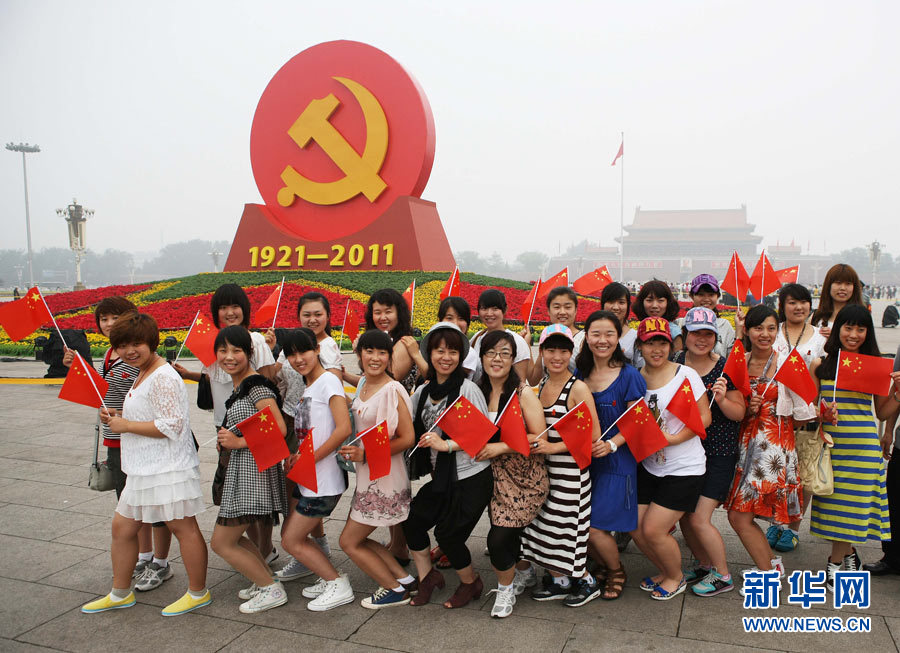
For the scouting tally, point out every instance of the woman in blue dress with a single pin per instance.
(614, 385)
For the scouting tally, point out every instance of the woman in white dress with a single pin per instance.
(160, 459)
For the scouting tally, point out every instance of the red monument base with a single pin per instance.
(408, 236)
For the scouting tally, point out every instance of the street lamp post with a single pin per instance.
(25, 148)
(76, 215)
(215, 254)
(875, 248)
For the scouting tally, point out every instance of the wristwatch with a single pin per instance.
(613, 447)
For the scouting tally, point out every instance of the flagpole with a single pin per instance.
(91, 379)
(836, 371)
(537, 289)
(762, 287)
(412, 308)
(622, 213)
(609, 428)
(440, 417)
(41, 295)
(278, 303)
(186, 337)
(344, 323)
(736, 289)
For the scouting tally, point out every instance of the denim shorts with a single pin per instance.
(316, 506)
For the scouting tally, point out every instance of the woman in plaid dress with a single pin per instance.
(248, 495)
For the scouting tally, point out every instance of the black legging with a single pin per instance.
(453, 516)
(503, 546)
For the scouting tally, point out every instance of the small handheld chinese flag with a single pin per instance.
(201, 339)
(530, 301)
(684, 406)
(264, 439)
(795, 375)
(467, 426)
(788, 275)
(304, 470)
(736, 281)
(410, 295)
(265, 314)
(641, 432)
(764, 281)
(561, 278)
(575, 428)
(592, 282)
(861, 373)
(351, 320)
(83, 384)
(377, 443)
(736, 368)
(512, 426)
(22, 317)
(452, 287)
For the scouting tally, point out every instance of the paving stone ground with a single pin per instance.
(54, 556)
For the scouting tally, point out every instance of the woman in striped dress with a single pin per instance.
(857, 511)
(557, 539)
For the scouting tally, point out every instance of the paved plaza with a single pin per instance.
(54, 556)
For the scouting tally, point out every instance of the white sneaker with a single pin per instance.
(337, 592)
(248, 592)
(314, 590)
(778, 564)
(503, 602)
(267, 598)
(524, 578)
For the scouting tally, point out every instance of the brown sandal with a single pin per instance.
(615, 583)
(432, 579)
(465, 593)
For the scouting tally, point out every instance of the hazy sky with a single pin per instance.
(143, 112)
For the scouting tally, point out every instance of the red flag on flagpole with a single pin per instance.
(351, 320)
(410, 295)
(530, 301)
(83, 384)
(683, 405)
(736, 368)
(452, 287)
(264, 439)
(576, 428)
(304, 470)
(377, 443)
(512, 426)
(593, 281)
(561, 278)
(788, 275)
(795, 375)
(201, 340)
(620, 153)
(22, 317)
(736, 281)
(265, 314)
(764, 280)
(467, 426)
(861, 373)
(641, 432)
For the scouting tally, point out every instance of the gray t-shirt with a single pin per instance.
(465, 465)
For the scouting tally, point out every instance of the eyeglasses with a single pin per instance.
(504, 355)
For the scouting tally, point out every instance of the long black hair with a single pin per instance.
(585, 359)
(854, 315)
(390, 297)
(490, 340)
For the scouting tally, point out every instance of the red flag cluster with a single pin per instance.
(763, 282)
(22, 317)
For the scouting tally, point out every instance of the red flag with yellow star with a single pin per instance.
(22, 317)
(512, 426)
(468, 427)
(530, 301)
(83, 384)
(377, 443)
(736, 281)
(788, 275)
(268, 310)
(410, 295)
(684, 406)
(452, 287)
(861, 373)
(304, 470)
(764, 280)
(576, 428)
(592, 282)
(201, 339)
(561, 278)
(736, 368)
(264, 439)
(795, 375)
(352, 319)
(641, 432)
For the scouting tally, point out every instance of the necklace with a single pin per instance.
(799, 338)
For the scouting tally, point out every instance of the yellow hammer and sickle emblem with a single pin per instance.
(361, 172)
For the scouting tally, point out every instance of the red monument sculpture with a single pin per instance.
(342, 145)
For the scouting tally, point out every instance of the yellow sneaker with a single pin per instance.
(185, 604)
(108, 603)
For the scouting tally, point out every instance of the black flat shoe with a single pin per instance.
(880, 568)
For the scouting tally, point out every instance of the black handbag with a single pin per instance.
(204, 393)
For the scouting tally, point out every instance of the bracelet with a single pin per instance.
(450, 448)
(613, 447)
(894, 396)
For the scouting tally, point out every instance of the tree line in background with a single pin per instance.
(56, 265)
